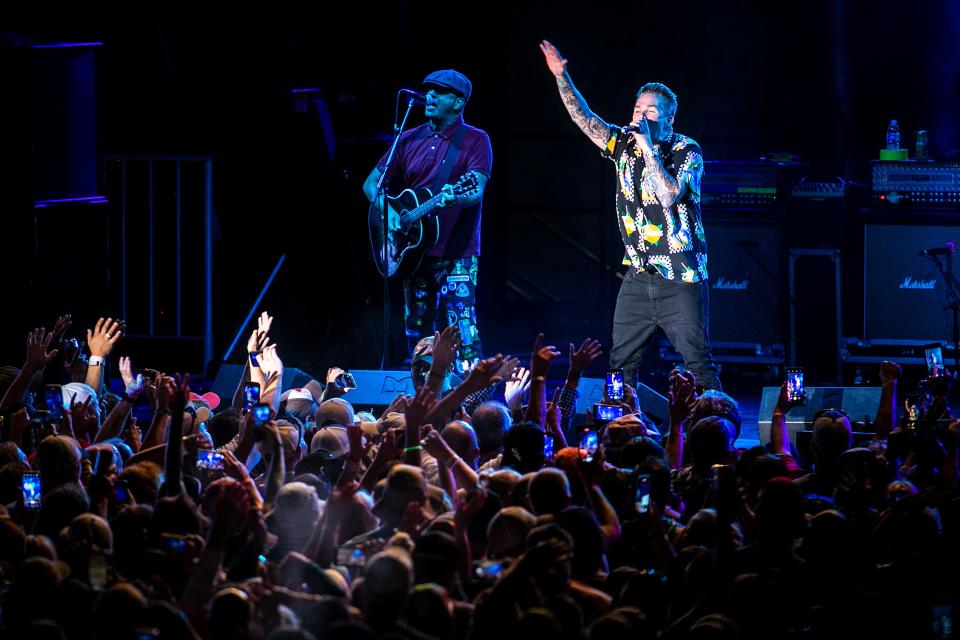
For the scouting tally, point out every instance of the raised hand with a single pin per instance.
(132, 435)
(38, 353)
(166, 388)
(485, 373)
(630, 399)
(133, 386)
(181, 393)
(682, 395)
(421, 407)
(581, 358)
(60, 327)
(434, 444)
(889, 371)
(399, 405)
(507, 368)
(516, 388)
(104, 336)
(555, 62)
(270, 362)
(357, 448)
(259, 340)
(542, 357)
(390, 444)
(126, 370)
(445, 347)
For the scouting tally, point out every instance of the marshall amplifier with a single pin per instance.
(904, 297)
(745, 278)
(916, 185)
(747, 186)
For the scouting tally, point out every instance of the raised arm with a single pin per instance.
(592, 126)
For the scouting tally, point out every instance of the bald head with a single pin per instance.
(832, 435)
(463, 440)
(59, 460)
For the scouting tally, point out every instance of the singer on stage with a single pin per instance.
(445, 282)
(658, 211)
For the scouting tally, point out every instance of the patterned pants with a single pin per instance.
(442, 293)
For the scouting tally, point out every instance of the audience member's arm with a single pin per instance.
(322, 545)
(229, 509)
(415, 415)
(539, 368)
(269, 375)
(445, 347)
(355, 457)
(257, 342)
(566, 400)
(682, 397)
(779, 436)
(484, 374)
(118, 416)
(465, 512)
(436, 446)
(386, 454)
(158, 392)
(100, 341)
(272, 446)
(179, 392)
(554, 422)
(515, 391)
(591, 474)
(38, 342)
(887, 411)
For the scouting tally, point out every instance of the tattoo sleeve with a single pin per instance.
(667, 188)
(595, 128)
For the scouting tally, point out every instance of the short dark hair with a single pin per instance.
(664, 92)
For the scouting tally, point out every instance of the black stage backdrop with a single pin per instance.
(819, 79)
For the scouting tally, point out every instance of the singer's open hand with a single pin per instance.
(555, 62)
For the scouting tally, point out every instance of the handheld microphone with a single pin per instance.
(414, 95)
(936, 251)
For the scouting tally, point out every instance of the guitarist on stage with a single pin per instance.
(443, 150)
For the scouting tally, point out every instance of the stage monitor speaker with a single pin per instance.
(904, 294)
(860, 403)
(228, 378)
(745, 282)
(651, 403)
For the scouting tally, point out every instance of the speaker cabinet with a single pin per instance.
(745, 279)
(904, 293)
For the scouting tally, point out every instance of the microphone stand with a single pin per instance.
(953, 294)
(381, 194)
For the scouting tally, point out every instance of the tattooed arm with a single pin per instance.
(594, 127)
(668, 189)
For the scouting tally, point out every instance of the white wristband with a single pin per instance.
(96, 361)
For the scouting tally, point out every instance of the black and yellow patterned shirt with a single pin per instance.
(668, 239)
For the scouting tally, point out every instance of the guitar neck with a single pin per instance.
(415, 214)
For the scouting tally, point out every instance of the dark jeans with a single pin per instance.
(647, 301)
(443, 292)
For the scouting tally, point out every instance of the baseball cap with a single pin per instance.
(450, 79)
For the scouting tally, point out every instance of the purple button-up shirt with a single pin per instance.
(417, 164)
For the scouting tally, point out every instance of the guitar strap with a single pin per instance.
(446, 167)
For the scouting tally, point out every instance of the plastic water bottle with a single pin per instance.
(893, 136)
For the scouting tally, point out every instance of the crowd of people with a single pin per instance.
(469, 510)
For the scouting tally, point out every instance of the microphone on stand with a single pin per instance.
(936, 251)
(414, 95)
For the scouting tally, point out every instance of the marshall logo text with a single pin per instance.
(910, 283)
(738, 285)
